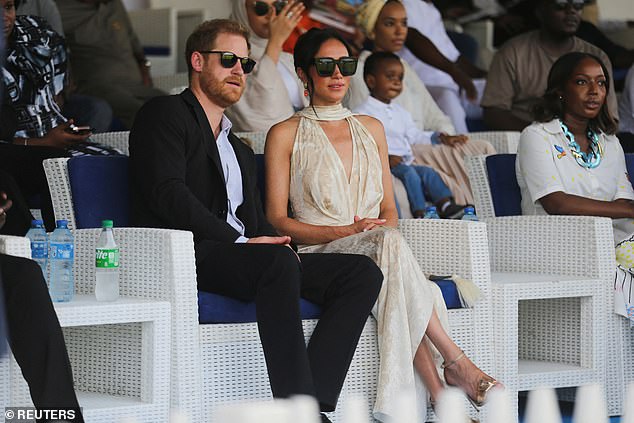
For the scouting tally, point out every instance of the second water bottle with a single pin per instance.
(39, 244)
(62, 283)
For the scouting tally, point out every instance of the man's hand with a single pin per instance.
(452, 140)
(277, 240)
(394, 160)
(5, 204)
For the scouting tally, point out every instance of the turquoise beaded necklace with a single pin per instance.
(588, 160)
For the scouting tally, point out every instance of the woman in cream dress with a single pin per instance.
(332, 166)
(273, 92)
(385, 23)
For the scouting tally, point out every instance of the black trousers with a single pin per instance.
(345, 285)
(18, 216)
(35, 336)
(24, 164)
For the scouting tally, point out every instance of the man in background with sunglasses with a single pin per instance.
(188, 171)
(519, 70)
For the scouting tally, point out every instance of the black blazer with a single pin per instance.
(176, 178)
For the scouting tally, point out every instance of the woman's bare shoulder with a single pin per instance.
(282, 134)
(285, 128)
(373, 125)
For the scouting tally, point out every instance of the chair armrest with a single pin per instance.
(566, 245)
(59, 185)
(502, 141)
(157, 264)
(18, 246)
(446, 247)
(479, 181)
(117, 139)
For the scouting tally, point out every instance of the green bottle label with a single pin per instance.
(107, 258)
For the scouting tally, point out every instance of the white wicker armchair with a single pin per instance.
(119, 351)
(573, 246)
(218, 363)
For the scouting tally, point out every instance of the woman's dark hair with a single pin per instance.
(307, 46)
(17, 3)
(551, 105)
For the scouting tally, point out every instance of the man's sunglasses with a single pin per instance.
(261, 8)
(325, 66)
(563, 4)
(229, 60)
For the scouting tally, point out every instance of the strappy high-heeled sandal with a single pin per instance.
(485, 383)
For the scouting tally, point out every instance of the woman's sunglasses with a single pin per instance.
(563, 4)
(261, 8)
(229, 60)
(325, 66)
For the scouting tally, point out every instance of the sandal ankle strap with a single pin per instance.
(454, 361)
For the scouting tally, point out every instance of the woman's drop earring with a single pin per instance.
(306, 93)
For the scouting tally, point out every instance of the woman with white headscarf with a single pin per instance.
(273, 92)
(385, 23)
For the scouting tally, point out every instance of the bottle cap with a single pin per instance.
(469, 209)
(430, 208)
(36, 222)
(62, 223)
(106, 224)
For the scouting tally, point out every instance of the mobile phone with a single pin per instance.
(79, 130)
(279, 5)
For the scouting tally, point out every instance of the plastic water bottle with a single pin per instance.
(431, 213)
(107, 263)
(469, 214)
(62, 284)
(39, 244)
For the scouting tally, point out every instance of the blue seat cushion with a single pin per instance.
(449, 293)
(505, 192)
(214, 308)
(100, 190)
(629, 164)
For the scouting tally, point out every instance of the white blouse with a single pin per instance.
(545, 165)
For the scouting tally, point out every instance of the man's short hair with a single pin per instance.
(373, 62)
(204, 37)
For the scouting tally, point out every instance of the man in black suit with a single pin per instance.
(189, 172)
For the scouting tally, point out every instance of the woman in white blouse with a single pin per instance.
(273, 92)
(570, 162)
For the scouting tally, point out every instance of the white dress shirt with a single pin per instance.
(545, 165)
(400, 129)
(233, 177)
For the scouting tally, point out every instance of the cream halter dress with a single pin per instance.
(321, 194)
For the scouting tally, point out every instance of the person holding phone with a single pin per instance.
(33, 75)
(273, 91)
